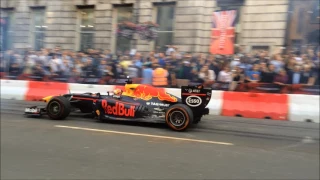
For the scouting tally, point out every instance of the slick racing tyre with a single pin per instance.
(58, 108)
(179, 117)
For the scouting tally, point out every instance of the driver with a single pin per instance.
(117, 92)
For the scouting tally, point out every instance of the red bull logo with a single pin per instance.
(147, 92)
(118, 109)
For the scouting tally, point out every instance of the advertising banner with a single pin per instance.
(223, 32)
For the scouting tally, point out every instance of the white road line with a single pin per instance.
(145, 135)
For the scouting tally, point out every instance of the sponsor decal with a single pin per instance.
(31, 110)
(157, 104)
(193, 101)
(193, 90)
(118, 109)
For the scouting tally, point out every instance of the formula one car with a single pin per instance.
(134, 102)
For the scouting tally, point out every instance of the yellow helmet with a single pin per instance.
(117, 91)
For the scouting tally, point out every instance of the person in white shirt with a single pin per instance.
(225, 75)
(169, 50)
(206, 74)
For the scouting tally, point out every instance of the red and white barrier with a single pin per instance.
(255, 105)
(93, 88)
(292, 107)
(304, 108)
(13, 89)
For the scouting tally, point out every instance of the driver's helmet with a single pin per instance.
(117, 92)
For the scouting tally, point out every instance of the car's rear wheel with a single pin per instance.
(179, 117)
(58, 108)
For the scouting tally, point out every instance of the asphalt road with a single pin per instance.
(218, 148)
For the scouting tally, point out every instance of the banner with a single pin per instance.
(223, 32)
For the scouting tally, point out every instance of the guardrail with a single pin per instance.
(284, 107)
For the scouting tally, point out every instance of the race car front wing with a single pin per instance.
(34, 111)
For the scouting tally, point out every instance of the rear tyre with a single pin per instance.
(179, 117)
(58, 108)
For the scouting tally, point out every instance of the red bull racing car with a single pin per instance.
(134, 102)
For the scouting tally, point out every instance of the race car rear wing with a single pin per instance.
(196, 97)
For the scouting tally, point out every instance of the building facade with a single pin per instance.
(187, 24)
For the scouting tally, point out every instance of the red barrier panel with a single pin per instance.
(255, 105)
(37, 90)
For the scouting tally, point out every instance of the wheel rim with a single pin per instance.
(54, 108)
(177, 118)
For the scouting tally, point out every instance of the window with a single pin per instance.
(124, 14)
(165, 19)
(86, 29)
(7, 22)
(315, 16)
(301, 21)
(38, 28)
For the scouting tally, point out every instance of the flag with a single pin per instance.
(223, 32)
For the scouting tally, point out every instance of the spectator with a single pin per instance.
(238, 74)
(206, 74)
(277, 62)
(170, 49)
(235, 62)
(194, 72)
(225, 75)
(254, 75)
(281, 78)
(102, 68)
(14, 69)
(295, 76)
(161, 60)
(306, 75)
(268, 74)
(108, 72)
(160, 76)
(125, 62)
(316, 74)
(290, 64)
(65, 68)
(38, 71)
(147, 74)
(132, 71)
(137, 61)
(213, 65)
(89, 69)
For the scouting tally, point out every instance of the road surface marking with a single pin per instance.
(145, 135)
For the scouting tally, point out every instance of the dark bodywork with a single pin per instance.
(135, 107)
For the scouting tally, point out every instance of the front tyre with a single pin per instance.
(179, 117)
(58, 108)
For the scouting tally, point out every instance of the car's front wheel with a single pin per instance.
(179, 117)
(58, 108)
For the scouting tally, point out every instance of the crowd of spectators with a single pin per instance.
(183, 68)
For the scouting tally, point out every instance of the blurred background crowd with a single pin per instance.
(170, 68)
